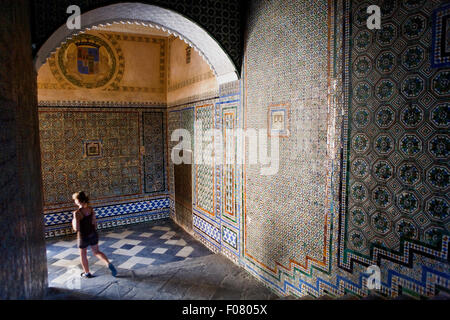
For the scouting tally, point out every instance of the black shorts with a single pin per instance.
(90, 240)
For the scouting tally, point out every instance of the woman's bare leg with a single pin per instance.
(84, 260)
(99, 254)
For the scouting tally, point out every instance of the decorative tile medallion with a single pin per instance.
(278, 120)
(440, 57)
(92, 149)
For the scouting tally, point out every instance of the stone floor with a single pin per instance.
(158, 261)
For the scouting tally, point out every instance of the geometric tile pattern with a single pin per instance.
(65, 168)
(129, 249)
(229, 117)
(107, 223)
(384, 208)
(286, 215)
(229, 165)
(154, 144)
(59, 223)
(173, 123)
(395, 135)
(229, 236)
(227, 182)
(393, 197)
(204, 173)
(397, 144)
(206, 227)
(187, 122)
(103, 152)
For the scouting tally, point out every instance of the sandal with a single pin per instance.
(86, 275)
(113, 270)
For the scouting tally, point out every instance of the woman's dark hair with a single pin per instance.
(80, 196)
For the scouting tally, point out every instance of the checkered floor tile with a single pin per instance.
(132, 248)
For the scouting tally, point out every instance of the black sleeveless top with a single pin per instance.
(87, 228)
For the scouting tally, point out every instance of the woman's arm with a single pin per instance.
(75, 222)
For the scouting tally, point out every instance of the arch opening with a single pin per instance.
(153, 16)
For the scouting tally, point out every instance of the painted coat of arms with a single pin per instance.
(88, 58)
(87, 61)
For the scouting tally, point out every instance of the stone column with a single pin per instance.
(23, 265)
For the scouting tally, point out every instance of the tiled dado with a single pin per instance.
(206, 228)
(228, 236)
(59, 223)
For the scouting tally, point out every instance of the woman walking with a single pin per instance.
(85, 224)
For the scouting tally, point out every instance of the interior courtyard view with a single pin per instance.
(224, 150)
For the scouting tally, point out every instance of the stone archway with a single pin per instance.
(154, 16)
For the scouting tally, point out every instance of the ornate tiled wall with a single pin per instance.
(217, 189)
(116, 155)
(287, 216)
(204, 174)
(154, 147)
(328, 214)
(183, 117)
(217, 201)
(395, 212)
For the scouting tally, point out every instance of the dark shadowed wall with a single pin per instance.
(23, 267)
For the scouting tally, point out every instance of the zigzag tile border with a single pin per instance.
(407, 253)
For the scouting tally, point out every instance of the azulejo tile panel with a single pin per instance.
(394, 208)
(64, 230)
(66, 168)
(230, 237)
(206, 228)
(229, 173)
(397, 175)
(102, 152)
(110, 211)
(229, 164)
(286, 215)
(154, 146)
(205, 172)
(278, 120)
(187, 123)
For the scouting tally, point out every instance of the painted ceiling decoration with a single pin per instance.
(87, 61)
